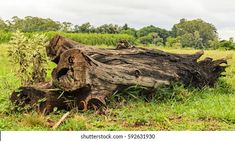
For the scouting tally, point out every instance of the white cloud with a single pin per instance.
(137, 13)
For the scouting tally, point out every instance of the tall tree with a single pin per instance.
(151, 38)
(84, 28)
(145, 31)
(130, 31)
(29, 24)
(108, 28)
(66, 27)
(195, 33)
(125, 27)
(227, 44)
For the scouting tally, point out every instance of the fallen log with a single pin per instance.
(44, 97)
(154, 64)
(87, 75)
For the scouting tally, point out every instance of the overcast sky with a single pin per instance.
(136, 13)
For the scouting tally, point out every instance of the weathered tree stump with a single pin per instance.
(88, 74)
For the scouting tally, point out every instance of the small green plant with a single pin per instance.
(37, 44)
(29, 55)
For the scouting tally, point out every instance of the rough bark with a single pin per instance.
(87, 75)
(44, 97)
(130, 61)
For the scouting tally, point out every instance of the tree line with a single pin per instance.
(187, 33)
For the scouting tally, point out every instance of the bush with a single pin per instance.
(145, 40)
(173, 42)
(151, 38)
(29, 55)
(229, 45)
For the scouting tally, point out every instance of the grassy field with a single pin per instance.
(184, 109)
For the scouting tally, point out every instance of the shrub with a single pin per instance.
(151, 38)
(29, 55)
(227, 44)
(173, 42)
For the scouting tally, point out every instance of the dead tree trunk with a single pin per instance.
(44, 97)
(154, 64)
(90, 74)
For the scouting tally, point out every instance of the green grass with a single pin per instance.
(184, 109)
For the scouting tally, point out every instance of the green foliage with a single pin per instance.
(157, 40)
(195, 33)
(29, 55)
(145, 31)
(187, 33)
(99, 39)
(3, 25)
(108, 28)
(227, 44)
(151, 38)
(18, 52)
(38, 56)
(145, 40)
(191, 40)
(66, 27)
(173, 42)
(30, 24)
(130, 31)
(5, 36)
(173, 92)
(84, 28)
(85, 38)
(213, 44)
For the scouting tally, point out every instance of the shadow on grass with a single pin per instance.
(175, 92)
